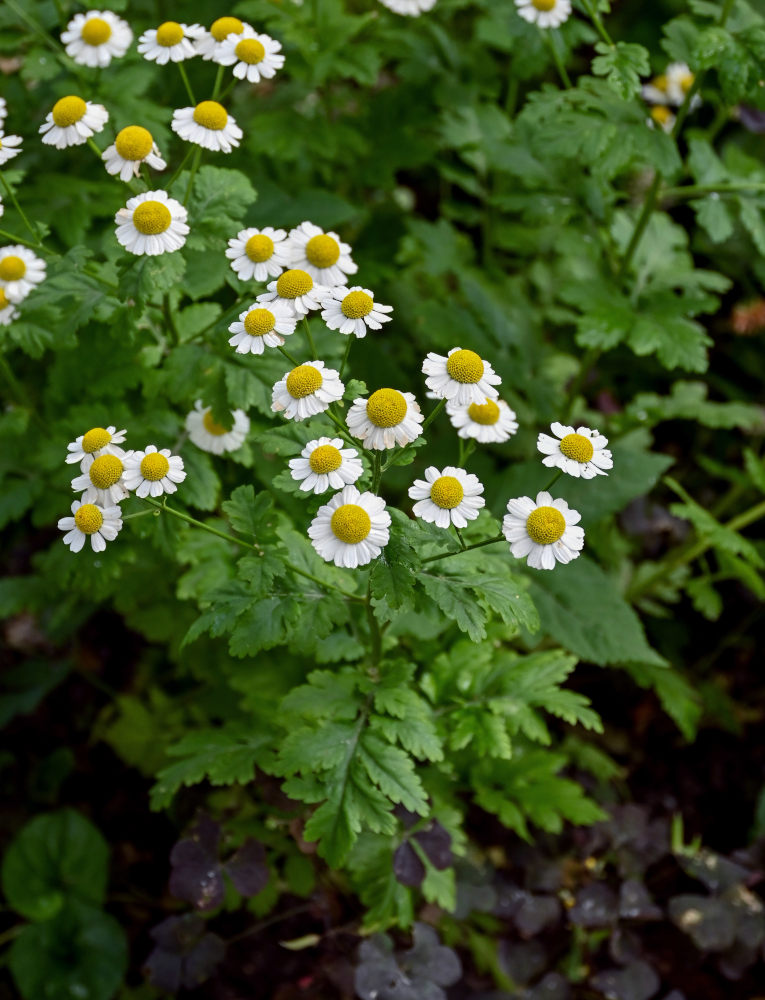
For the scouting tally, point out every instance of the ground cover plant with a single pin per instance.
(381, 462)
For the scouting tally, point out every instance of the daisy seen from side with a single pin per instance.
(306, 390)
(72, 121)
(544, 531)
(253, 56)
(490, 422)
(352, 529)
(661, 115)
(261, 326)
(323, 255)
(152, 223)
(170, 42)
(10, 146)
(133, 146)
(101, 524)
(297, 289)
(102, 481)
(544, 13)
(452, 496)
(207, 434)
(353, 310)
(210, 43)
(409, 8)
(20, 271)
(581, 453)
(325, 464)
(8, 312)
(462, 377)
(97, 441)
(95, 38)
(258, 253)
(208, 125)
(387, 418)
(152, 472)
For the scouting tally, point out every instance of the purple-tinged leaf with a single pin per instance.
(635, 902)
(714, 871)
(247, 868)
(596, 906)
(436, 842)
(196, 876)
(185, 955)
(710, 923)
(535, 913)
(523, 962)
(431, 960)
(553, 986)
(407, 865)
(638, 981)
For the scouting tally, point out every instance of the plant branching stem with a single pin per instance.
(308, 334)
(288, 356)
(699, 190)
(347, 353)
(20, 210)
(186, 82)
(551, 36)
(467, 548)
(192, 173)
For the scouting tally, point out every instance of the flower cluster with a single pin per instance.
(669, 90)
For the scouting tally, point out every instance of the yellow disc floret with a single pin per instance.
(88, 518)
(544, 5)
(303, 380)
(154, 466)
(447, 492)
(351, 523)
(545, 525)
(356, 305)
(660, 82)
(105, 471)
(95, 439)
(169, 33)
(686, 81)
(68, 110)
(250, 51)
(12, 268)
(661, 114)
(226, 26)
(151, 217)
(293, 283)
(210, 114)
(386, 407)
(134, 142)
(96, 31)
(259, 248)
(578, 447)
(211, 426)
(322, 251)
(325, 458)
(484, 413)
(465, 367)
(4, 303)
(259, 322)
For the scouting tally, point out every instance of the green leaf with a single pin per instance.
(709, 528)
(622, 64)
(679, 699)
(249, 514)
(394, 572)
(454, 599)
(393, 772)
(219, 201)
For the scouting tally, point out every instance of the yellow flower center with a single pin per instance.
(88, 518)
(465, 366)
(303, 380)
(386, 408)
(661, 114)
(259, 248)
(446, 492)
(95, 439)
(169, 33)
(259, 322)
(68, 110)
(12, 268)
(96, 31)
(686, 82)
(134, 142)
(211, 426)
(660, 82)
(3, 300)
(357, 304)
(154, 466)
(484, 413)
(226, 26)
(151, 217)
(351, 523)
(322, 251)
(250, 50)
(545, 525)
(325, 458)
(105, 471)
(210, 114)
(294, 283)
(544, 4)
(578, 447)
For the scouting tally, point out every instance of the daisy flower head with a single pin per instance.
(133, 146)
(91, 520)
(95, 38)
(10, 146)
(321, 254)
(262, 326)
(152, 223)
(258, 253)
(254, 57)
(8, 313)
(97, 441)
(208, 125)
(211, 436)
(324, 463)
(452, 496)
(296, 289)
(72, 121)
(352, 529)
(661, 115)
(544, 531)
(409, 8)
(579, 453)
(102, 481)
(170, 42)
(20, 271)
(210, 43)
(680, 79)
(462, 377)
(306, 390)
(490, 422)
(387, 418)
(353, 310)
(544, 13)
(152, 472)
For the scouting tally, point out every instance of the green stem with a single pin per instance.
(348, 346)
(288, 356)
(466, 450)
(689, 191)
(475, 545)
(374, 628)
(18, 393)
(20, 210)
(186, 82)
(432, 415)
(19, 239)
(224, 317)
(637, 233)
(460, 538)
(595, 17)
(376, 471)
(310, 338)
(177, 173)
(553, 481)
(140, 513)
(167, 310)
(192, 172)
(218, 82)
(562, 72)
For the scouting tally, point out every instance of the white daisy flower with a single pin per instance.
(580, 453)
(680, 79)
(152, 472)
(409, 8)
(210, 43)
(8, 313)
(324, 463)
(655, 91)
(353, 310)
(661, 115)
(72, 122)
(152, 223)
(95, 38)
(307, 390)
(545, 13)
(209, 125)
(170, 42)
(387, 418)
(258, 253)
(352, 529)
(211, 436)
(490, 422)
(297, 289)
(3, 110)
(10, 146)
(453, 496)
(259, 327)
(101, 523)
(321, 254)
(103, 480)
(542, 530)
(133, 146)
(97, 441)
(254, 57)
(20, 271)
(462, 377)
